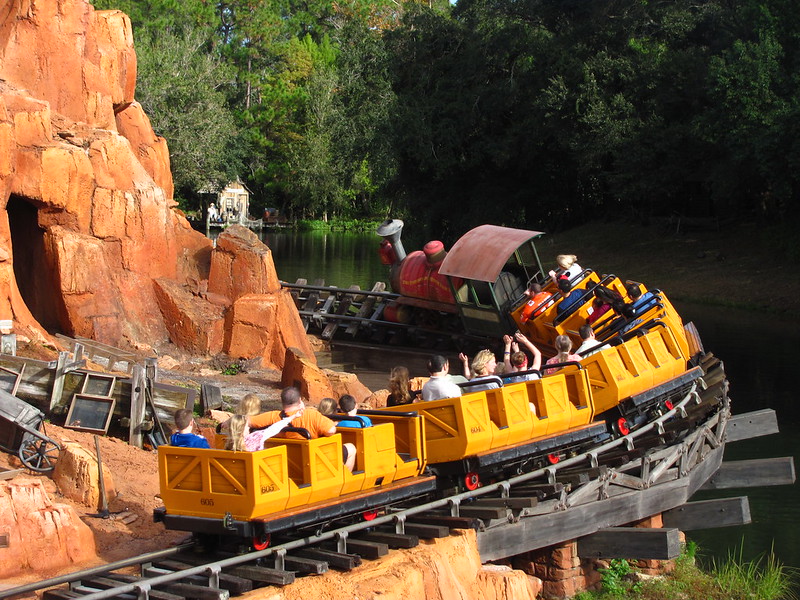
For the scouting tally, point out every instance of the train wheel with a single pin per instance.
(261, 542)
(370, 515)
(471, 481)
(621, 426)
(553, 458)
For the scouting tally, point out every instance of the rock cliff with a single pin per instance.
(92, 243)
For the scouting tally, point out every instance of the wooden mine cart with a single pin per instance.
(22, 431)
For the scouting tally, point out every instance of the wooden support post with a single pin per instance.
(58, 379)
(752, 473)
(137, 407)
(706, 514)
(210, 397)
(752, 424)
(631, 542)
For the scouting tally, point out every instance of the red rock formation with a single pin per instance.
(91, 242)
(444, 569)
(77, 477)
(43, 537)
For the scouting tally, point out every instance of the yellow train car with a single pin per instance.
(292, 483)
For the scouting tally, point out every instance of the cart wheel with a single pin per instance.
(38, 455)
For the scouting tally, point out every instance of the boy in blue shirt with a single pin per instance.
(347, 404)
(184, 421)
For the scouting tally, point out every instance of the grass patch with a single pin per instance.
(355, 225)
(764, 578)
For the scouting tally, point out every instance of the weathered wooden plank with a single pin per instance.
(337, 560)
(198, 592)
(483, 512)
(344, 304)
(227, 581)
(631, 542)
(427, 532)
(393, 540)
(753, 473)
(452, 522)
(154, 594)
(366, 549)
(365, 309)
(512, 502)
(305, 565)
(263, 574)
(137, 407)
(705, 514)
(210, 397)
(752, 424)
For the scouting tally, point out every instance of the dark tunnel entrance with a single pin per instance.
(34, 276)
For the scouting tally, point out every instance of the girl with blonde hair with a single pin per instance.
(241, 439)
(327, 406)
(568, 268)
(563, 346)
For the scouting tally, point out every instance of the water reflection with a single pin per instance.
(341, 259)
(760, 354)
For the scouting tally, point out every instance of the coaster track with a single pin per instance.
(654, 468)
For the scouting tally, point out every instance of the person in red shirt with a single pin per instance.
(317, 424)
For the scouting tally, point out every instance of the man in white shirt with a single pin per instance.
(590, 344)
(440, 385)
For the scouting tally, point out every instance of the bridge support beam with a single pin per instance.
(631, 542)
(721, 512)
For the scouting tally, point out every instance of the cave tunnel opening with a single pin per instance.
(34, 275)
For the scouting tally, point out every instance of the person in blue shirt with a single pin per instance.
(184, 421)
(640, 303)
(347, 404)
(569, 299)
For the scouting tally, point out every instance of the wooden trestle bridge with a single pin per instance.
(590, 497)
(358, 314)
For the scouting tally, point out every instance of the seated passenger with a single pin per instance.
(640, 303)
(517, 361)
(347, 404)
(327, 406)
(440, 385)
(563, 346)
(568, 268)
(537, 304)
(589, 341)
(248, 406)
(483, 367)
(240, 438)
(605, 299)
(399, 388)
(184, 421)
(317, 424)
(569, 298)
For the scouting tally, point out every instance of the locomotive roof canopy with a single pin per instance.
(481, 253)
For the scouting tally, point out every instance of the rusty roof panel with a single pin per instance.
(482, 252)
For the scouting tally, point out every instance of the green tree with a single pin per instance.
(182, 88)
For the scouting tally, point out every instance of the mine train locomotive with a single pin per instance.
(427, 449)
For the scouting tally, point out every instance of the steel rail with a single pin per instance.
(213, 569)
(333, 289)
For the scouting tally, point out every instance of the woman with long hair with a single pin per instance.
(399, 387)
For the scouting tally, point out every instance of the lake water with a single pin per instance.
(760, 353)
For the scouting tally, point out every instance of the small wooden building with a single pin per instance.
(233, 202)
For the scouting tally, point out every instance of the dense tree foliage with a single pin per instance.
(524, 112)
